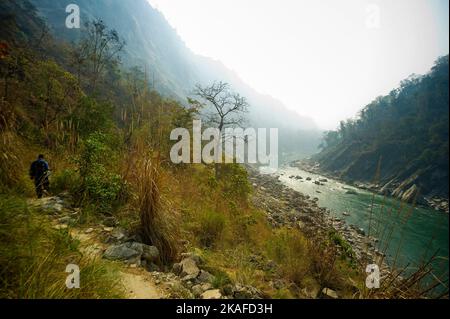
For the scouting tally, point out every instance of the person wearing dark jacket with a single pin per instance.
(39, 172)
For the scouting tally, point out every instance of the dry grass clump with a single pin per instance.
(158, 220)
(34, 256)
(11, 153)
(419, 279)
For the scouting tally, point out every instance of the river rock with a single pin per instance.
(60, 226)
(53, 204)
(388, 188)
(109, 221)
(246, 292)
(410, 194)
(149, 266)
(329, 293)
(66, 220)
(211, 294)
(150, 253)
(197, 258)
(118, 234)
(176, 268)
(189, 268)
(404, 186)
(205, 277)
(310, 293)
(197, 290)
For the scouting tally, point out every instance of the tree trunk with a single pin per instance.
(218, 160)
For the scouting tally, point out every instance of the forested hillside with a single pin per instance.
(174, 70)
(404, 133)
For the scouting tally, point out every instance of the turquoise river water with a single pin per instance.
(407, 234)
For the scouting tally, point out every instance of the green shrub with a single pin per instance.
(212, 225)
(235, 181)
(100, 182)
(66, 180)
(347, 250)
(221, 279)
(103, 187)
(290, 250)
(91, 116)
(283, 293)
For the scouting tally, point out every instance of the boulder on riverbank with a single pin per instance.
(410, 194)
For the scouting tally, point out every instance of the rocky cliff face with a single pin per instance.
(393, 177)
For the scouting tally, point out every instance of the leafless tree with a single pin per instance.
(226, 108)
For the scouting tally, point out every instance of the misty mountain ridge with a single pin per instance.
(174, 70)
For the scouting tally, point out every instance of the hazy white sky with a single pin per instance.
(323, 58)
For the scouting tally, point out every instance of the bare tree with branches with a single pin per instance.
(226, 109)
(228, 106)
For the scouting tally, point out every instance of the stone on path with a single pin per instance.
(211, 294)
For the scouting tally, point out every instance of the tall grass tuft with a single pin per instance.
(11, 154)
(290, 250)
(157, 223)
(211, 227)
(417, 279)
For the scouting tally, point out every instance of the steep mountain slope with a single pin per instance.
(405, 132)
(152, 43)
(117, 190)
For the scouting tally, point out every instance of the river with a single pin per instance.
(407, 234)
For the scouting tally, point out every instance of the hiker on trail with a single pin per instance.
(39, 172)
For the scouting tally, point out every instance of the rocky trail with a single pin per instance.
(141, 277)
(137, 283)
